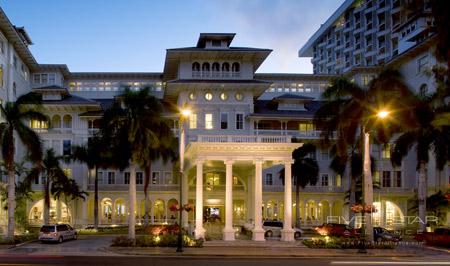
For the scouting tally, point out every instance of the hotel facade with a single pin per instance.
(242, 131)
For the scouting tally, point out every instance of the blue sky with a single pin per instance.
(132, 35)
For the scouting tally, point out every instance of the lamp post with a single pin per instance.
(367, 227)
(184, 115)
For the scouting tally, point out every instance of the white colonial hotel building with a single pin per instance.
(243, 128)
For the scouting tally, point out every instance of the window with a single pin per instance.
(305, 126)
(269, 180)
(100, 177)
(126, 178)
(67, 147)
(386, 179)
(386, 153)
(422, 64)
(192, 96)
(216, 43)
(239, 121)
(205, 69)
(208, 121)
(397, 178)
(376, 177)
(168, 178)
(193, 121)
(68, 172)
(36, 180)
(15, 62)
(139, 179)
(67, 121)
(155, 178)
(111, 178)
(338, 180)
(324, 155)
(51, 78)
(56, 121)
(1, 76)
(37, 124)
(223, 121)
(239, 96)
(2, 47)
(324, 180)
(224, 96)
(208, 96)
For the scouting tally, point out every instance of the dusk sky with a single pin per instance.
(133, 35)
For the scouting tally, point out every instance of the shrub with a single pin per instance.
(18, 239)
(165, 240)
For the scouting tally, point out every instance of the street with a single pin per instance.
(94, 250)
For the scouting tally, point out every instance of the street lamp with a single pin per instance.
(184, 115)
(368, 183)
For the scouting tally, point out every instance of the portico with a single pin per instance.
(250, 152)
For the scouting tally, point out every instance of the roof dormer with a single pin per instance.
(215, 40)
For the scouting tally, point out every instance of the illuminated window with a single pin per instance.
(193, 121)
(306, 126)
(68, 172)
(338, 180)
(38, 124)
(224, 96)
(239, 96)
(208, 96)
(386, 154)
(208, 121)
(67, 121)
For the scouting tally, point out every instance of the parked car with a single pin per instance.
(440, 237)
(381, 234)
(273, 228)
(333, 229)
(57, 233)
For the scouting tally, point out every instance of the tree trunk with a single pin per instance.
(47, 200)
(147, 172)
(422, 195)
(297, 205)
(352, 200)
(367, 187)
(96, 198)
(132, 202)
(11, 201)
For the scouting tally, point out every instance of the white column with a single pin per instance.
(58, 210)
(199, 230)
(287, 233)
(228, 231)
(258, 231)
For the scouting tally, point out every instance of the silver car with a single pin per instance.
(273, 228)
(57, 233)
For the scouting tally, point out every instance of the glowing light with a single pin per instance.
(383, 114)
(186, 112)
(157, 239)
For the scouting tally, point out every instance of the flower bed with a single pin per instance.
(166, 240)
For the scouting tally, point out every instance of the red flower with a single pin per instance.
(174, 207)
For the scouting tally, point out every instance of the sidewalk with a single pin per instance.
(242, 248)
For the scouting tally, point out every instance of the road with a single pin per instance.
(92, 250)
(216, 261)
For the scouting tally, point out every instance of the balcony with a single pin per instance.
(310, 134)
(308, 189)
(241, 138)
(125, 187)
(217, 188)
(216, 74)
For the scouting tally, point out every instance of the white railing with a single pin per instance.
(215, 74)
(244, 138)
(318, 189)
(293, 133)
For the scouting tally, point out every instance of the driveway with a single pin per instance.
(84, 245)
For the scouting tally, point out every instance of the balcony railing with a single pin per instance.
(211, 188)
(316, 189)
(124, 187)
(243, 138)
(216, 74)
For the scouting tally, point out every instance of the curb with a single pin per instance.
(23, 243)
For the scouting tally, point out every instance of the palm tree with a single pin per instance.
(53, 176)
(15, 118)
(427, 136)
(96, 156)
(135, 126)
(349, 110)
(305, 170)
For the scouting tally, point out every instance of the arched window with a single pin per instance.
(225, 69)
(196, 70)
(56, 121)
(205, 70)
(423, 89)
(235, 69)
(67, 121)
(215, 70)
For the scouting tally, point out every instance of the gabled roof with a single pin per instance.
(72, 100)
